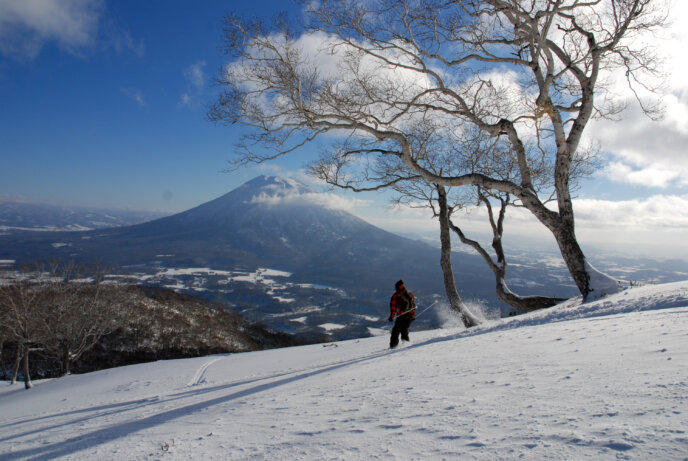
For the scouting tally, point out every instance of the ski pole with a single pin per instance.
(419, 313)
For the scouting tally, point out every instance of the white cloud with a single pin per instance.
(26, 25)
(331, 201)
(658, 213)
(646, 152)
(654, 175)
(650, 226)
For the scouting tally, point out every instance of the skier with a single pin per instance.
(402, 306)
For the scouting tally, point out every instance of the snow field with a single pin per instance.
(604, 380)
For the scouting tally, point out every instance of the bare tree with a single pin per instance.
(22, 302)
(6, 320)
(415, 193)
(55, 309)
(444, 206)
(4, 331)
(78, 310)
(475, 152)
(526, 72)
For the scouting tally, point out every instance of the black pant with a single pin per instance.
(401, 326)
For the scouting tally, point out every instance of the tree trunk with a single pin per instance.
(17, 361)
(562, 226)
(27, 376)
(455, 301)
(524, 303)
(66, 362)
(573, 256)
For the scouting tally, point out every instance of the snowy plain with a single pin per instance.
(601, 380)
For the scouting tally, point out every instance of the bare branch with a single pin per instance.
(402, 81)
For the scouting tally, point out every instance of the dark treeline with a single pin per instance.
(54, 320)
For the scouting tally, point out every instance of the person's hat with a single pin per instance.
(398, 284)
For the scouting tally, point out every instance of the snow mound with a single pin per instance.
(601, 284)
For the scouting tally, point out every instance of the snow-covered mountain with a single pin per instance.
(267, 222)
(270, 222)
(605, 380)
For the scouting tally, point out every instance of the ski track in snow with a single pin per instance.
(199, 377)
(605, 380)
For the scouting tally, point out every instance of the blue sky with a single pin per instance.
(102, 103)
(118, 119)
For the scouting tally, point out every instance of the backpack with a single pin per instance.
(406, 302)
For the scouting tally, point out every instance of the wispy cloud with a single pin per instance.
(25, 26)
(121, 40)
(75, 26)
(194, 73)
(135, 95)
(195, 77)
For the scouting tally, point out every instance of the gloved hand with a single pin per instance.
(390, 319)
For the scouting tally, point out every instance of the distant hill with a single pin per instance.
(20, 216)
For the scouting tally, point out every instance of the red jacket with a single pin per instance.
(394, 303)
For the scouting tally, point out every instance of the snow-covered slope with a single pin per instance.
(604, 380)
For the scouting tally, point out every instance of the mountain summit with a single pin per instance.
(262, 190)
